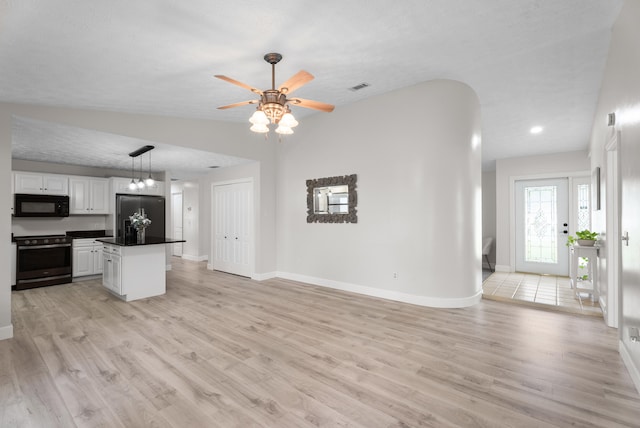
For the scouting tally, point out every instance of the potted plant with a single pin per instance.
(585, 238)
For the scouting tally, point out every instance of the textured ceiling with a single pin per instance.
(48, 142)
(532, 62)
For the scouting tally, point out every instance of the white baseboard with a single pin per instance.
(263, 276)
(6, 332)
(195, 258)
(168, 267)
(503, 268)
(634, 371)
(432, 302)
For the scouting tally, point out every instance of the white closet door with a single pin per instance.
(233, 228)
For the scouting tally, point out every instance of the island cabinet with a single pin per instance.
(133, 272)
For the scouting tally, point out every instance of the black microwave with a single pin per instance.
(27, 205)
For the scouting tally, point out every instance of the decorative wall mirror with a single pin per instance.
(332, 200)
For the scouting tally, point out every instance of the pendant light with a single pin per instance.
(132, 185)
(140, 183)
(149, 181)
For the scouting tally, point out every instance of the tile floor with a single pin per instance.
(545, 291)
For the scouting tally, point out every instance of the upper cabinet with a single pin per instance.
(46, 184)
(88, 195)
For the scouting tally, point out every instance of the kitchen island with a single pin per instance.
(135, 271)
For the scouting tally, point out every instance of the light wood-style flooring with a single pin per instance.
(223, 351)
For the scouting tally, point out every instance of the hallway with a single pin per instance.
(543, 291)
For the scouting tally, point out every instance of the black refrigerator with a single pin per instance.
(153, 207)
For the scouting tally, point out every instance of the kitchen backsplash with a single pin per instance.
(21, 226)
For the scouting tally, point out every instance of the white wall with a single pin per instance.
(6, 327)
(489, 211)
(620, 93)
(553, 165)
(419, 197)
(48, 226)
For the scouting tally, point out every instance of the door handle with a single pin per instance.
(625, 238)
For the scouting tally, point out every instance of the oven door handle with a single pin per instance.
(37, 247)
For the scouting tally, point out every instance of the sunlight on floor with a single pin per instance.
(551, 292)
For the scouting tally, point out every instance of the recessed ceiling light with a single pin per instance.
(536, 130)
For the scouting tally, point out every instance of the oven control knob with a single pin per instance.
(46, 241)
(26, 241)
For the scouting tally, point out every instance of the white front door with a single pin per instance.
(232, 228)
(542, 225)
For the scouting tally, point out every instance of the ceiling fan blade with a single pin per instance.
(235, 82)
(297, 80)
(243, 103)
(316, 105)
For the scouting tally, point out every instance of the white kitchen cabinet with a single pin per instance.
(88, 195)
(46, 184)
(112, 268)
(87, 257)
(134, 272)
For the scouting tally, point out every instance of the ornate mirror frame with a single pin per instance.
(350, 217)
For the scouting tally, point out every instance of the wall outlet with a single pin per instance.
(395, 275)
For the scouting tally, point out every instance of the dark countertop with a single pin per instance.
(148, 241)
(88, 234)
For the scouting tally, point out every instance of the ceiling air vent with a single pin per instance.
(359, 86)
(213, 166)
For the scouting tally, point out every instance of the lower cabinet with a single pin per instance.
(87, 257)
(134, 272)
(112, 270)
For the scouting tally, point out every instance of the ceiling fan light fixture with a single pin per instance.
(273, 111)
(284, 130)
(259, 128)
(259, 118)
(273, 103)
(288, 120)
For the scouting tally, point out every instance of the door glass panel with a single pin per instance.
(584, 212)
(541, 234)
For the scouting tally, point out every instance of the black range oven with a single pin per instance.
(42, 260)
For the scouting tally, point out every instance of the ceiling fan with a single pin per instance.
(273, 105)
